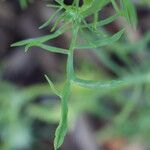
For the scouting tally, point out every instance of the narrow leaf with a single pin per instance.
(47, 23)
(96, 6)
(52, 49)
(115, 6)
(62, 128)
(103, 42)
(103, 22)
(97, 84)
(41, 39)
(52, 86)
(129, 12)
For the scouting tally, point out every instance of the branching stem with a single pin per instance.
(62, 128)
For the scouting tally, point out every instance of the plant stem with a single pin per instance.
(62, 128)
(70, 68)
(70, 71)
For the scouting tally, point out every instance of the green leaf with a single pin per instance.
(103, 42)
(41, 39)
(86, 4)
(52, 86)
(129, 12)
(126, 81)
(115, 6)
(102, 22)
(62, 128)
(47, 23)
(53, 6)
(59, 19)
(51, 48)
(97, 84)
(96, 6)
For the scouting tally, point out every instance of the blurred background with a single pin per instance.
(114, 119)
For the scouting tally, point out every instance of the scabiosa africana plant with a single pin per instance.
(73, 19)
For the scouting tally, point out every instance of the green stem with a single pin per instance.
(95, 20)
(70, 68)
(62, 128)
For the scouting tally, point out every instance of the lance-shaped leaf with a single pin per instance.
(47, 23)
(48, 48)
(59, 19)
(52, 86)
(86, 5)
(129, 11)
(97, 84)
(62, 128)
(102, 22)
(103, 42)
(41, 39)
(126, 81)
(96, 6)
